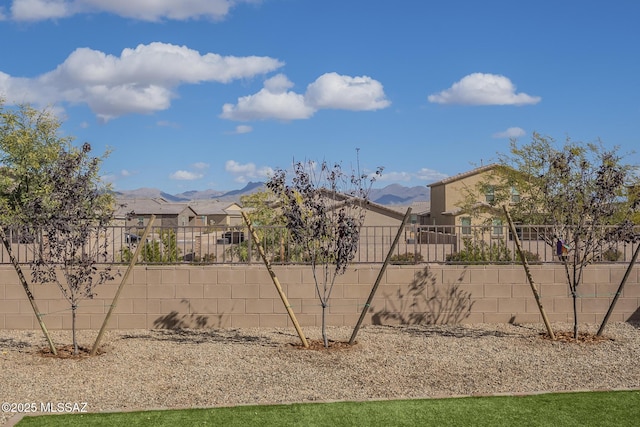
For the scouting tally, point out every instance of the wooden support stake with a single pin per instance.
(527, 271)
(133, 261)
(275, 280)
(366, 307)
(619, 292)
(25, 286)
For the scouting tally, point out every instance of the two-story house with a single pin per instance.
(454, 198)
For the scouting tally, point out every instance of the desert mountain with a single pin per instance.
(393, 194)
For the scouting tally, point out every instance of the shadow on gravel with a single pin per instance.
(454, 331)
(12, 343)
(190, 336)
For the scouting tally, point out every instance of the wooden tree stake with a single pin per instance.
(527, 271)
(25, 286)
(133, 261)
(366, 307)
(275, 280)
(622, 283)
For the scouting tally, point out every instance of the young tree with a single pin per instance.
(69, 223)
(72, 219)
(323, 208)
(579, 190)
(29, 145)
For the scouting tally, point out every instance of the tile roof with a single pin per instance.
(149, 206)
(464, 174)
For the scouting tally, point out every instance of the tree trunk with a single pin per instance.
(574, 295)
(73, 328)
(325, 339)
(575, 314)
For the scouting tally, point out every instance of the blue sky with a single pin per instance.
(211, 94)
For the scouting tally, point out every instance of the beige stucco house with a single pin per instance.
(216, 213)
(137, 212)
(449, 195)
(177, 214)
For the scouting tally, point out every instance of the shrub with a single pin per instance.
(531, 257)
(205, 259)
(164, 251)
(481, 252)
(612, 255)
(406, 258)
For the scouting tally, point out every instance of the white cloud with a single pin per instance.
(332, 90)
(426, 175)
(114, 177)
(513, 132)
(201, 165)
(37, 10)
(168, 124)
(150, 10)
(272, 102)
(329, 91)
(108, 178)
(243, 129)
(141, 80)
(247, 172)
(185, 175)
(430, 175)
(395, 177)
(483, 89)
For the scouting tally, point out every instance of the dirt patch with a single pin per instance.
(66, 352)
(583, 337)
(318, 345)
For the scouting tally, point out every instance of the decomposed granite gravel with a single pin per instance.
(151, 369)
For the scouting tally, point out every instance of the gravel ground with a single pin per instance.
(151, 369)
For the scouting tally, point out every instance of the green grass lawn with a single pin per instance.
(620, 408)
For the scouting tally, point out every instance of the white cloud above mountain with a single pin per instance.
(512, 132)
(329, 91)
(201, 165)
(182, 175)
(424, 175)
(149, 10)
(483, 89)
(141, 80)
(247, 171)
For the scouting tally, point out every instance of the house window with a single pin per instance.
(465, 222)
(140, 221)
(490, 195)
(515, 195)
(496, 227)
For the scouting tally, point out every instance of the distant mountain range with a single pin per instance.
(393, 194)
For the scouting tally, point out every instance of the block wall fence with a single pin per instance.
(244, 296)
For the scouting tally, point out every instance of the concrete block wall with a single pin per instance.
(244, 296)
